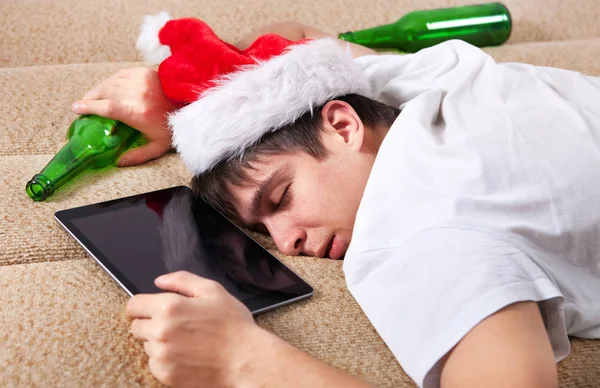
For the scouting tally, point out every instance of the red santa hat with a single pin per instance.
(231, 98)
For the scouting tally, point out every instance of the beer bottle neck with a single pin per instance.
(386, 36)
(73, 158)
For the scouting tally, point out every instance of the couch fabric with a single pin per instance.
(62, 320)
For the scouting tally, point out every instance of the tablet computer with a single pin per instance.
(138, 238)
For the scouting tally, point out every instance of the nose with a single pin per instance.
(288, 238)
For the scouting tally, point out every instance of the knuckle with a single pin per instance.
(161, 371)
(101, 87)
(170, 378)
(162, 352)
(110, 108)
(139, 74)
(124, 72)
(154, 367)
(131, 305)
(95, 91)
(171, 307)
(162, 333)
(116, 77)
(214, 287)
(148, 73)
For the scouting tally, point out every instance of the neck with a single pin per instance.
(375, 138)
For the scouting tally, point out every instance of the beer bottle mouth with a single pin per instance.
(39, 188)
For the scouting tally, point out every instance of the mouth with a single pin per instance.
(328, 249)
(336, 248)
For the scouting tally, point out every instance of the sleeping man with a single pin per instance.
(463, 195)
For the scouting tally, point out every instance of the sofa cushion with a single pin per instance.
(73, 31)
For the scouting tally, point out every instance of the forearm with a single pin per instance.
(268, 361)
(295, 32)
(288, 30)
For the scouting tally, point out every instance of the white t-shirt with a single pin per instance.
(485, 192)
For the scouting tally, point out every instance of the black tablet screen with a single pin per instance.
(141, 237)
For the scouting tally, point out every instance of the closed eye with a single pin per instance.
(285, 198)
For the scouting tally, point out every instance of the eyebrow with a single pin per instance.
(264, 186)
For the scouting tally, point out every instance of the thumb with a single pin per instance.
(183, 282)
(143, 153)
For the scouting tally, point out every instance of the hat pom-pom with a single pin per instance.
(148, 42)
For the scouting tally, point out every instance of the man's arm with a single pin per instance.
(297, 31)
(508, 349)
(183, 332)
(197, 334)
(272, 362)
(135, 96)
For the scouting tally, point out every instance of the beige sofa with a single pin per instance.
(62, 319)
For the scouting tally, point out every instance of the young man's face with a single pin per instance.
(308, 206)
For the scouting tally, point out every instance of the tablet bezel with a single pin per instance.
(257, 304)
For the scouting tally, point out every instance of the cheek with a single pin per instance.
(314, 201)
(330, 192)
(347, 188)
(339, 195)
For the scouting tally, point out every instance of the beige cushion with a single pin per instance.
(63, 321)
(71, 31)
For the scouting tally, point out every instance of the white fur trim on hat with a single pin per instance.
(261, 98)
(148, 43)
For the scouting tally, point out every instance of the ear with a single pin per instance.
(342, 121)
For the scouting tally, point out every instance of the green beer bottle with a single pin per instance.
(480, 25)
(94, 142)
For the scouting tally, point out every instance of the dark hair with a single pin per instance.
(302, 135)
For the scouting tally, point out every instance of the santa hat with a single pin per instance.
(231, 98)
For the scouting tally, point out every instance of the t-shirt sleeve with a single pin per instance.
(424, 296)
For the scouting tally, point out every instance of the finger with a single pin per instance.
(186, 283)
(141, 329)
(129, 73)
(149, 348)
(94, 94)
(160, 370)
(106, 108)
(145, 305)
(156, 349)
(143, 153)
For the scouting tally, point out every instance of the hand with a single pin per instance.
(135, 97)
(195, 337)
